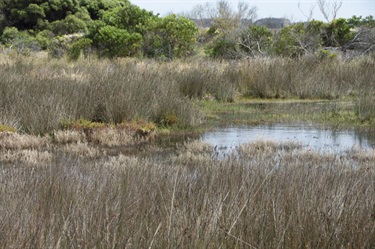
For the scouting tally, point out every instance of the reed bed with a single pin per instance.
(264, 195)
(89, 186)
(37, 95)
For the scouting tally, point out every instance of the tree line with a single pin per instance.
(118, 28)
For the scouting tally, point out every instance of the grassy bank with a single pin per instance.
(36, 95)
(267, 195)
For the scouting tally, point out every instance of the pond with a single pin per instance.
(319, 139)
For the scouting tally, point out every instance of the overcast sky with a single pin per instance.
(267, 8)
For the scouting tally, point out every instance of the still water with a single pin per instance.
(322, 140)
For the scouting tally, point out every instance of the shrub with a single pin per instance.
(115, 42)
(256, 40)
(170, 37)
(223, 47)
(76, 48)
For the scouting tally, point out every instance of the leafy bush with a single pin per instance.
(337, 33)
(223, 47)
(115, 42)
(288, 41)
(170, 37)
(75, 49)
(256, 40)
(71, 24)
(20, 40)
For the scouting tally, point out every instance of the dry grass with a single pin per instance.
(266, 195)
(79, 187)
(36, 95)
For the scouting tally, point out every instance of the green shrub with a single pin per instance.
(169, 37)
(115, 42)
(76, 48)
(256, 40)
(223, 47)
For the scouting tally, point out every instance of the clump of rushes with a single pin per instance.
(6, 128)
(135, 128)
(81, 124)
(167, 119)
(139, 128)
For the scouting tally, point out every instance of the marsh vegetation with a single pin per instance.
(102, 108)
(89, 157)
(266, 195)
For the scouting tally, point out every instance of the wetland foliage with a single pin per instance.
(101, 109)
(65, 192)
(94, 163)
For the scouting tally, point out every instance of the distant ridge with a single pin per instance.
(272, 23)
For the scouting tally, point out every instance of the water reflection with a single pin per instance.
(322, 140)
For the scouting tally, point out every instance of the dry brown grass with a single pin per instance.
(37, 95)
(266, 195)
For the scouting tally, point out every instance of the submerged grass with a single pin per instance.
(75, 195)
(341, 114)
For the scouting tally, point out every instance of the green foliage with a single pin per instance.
(287, 41)
(115, 42)
(71, 24)
(45, 38)
(20, 40)
(27, 14)
(223, 47)
(325, 54)
(256, 39)
(299, 39)
(337, 33)
(97, 8)
(170, 37)
(355, 21)
(128, 17)
(76, 48)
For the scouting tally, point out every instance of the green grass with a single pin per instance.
(245, 111)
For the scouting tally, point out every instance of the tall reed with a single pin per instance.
(266, 195)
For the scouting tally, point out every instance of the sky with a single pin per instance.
(267, 8)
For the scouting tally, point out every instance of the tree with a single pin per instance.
(225, 47)
(222, 16)
(20, 40)
(25, 15)
(115, 42)
(288, 41)
(170, 37)
(129, 17)
(337, 33)
(256, 40)
(70, 24)
(356, 21)
(330, 9)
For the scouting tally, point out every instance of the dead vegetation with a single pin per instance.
(264, 195)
